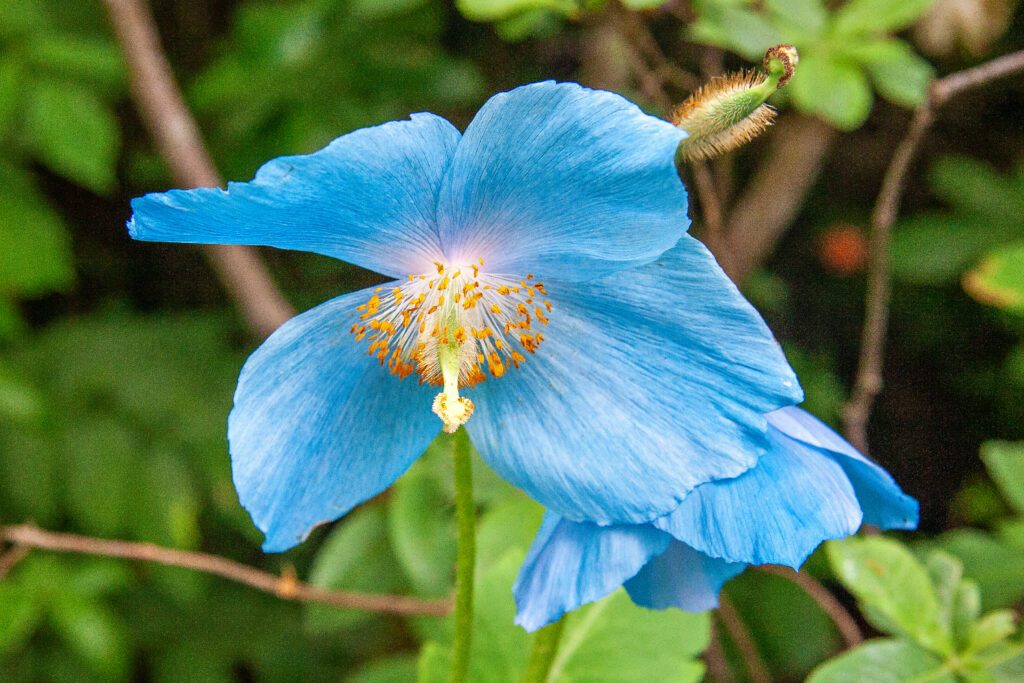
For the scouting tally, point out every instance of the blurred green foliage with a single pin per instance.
(118, 361)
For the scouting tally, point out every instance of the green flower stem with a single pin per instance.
(465, 559)
(545, 645)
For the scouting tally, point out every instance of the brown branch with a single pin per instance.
(177, 137)
(744, 642)
(11, 557)
(715, 660)
(868, 381)
(286, 587)
(714, 219)
(843, 620)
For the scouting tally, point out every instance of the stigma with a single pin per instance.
(454, 327)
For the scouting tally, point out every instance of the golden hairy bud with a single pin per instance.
(730, 111)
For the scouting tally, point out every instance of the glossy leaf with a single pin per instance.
(421, 528)
(74, 133)
(876, 16)
(883, 661)
(998, 280)
(834, 89)
(614, 640)
(893, 589)
(1005, 463)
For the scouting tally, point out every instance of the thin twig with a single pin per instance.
(714, 219)
(11, 557)
(286, 587)
(744, 642)
(787, 169)
(176, 134)
(868, 381)
(714, 658)
(843, 620)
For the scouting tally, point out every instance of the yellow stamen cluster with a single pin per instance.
(488, 321)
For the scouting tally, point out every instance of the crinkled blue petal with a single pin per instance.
(682, 577)
(884, 503)
(318, 426)
(650, 383)
(571, 564)
(368, 198)
(562, 181)
(776, 513)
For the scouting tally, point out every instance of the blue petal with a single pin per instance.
(368, 198)
(682, 577)
(571, 564)
(650, 383)
(318, 426)
(884, 503)
(776, 513)
(564, 182)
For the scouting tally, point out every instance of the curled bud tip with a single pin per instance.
(780, 61)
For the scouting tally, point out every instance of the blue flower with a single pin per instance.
(811, 486)
(546, 295)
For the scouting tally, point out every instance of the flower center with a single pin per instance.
(450, 325)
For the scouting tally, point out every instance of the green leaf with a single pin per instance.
(1005, 463)
(990, 629)
(808, 16)
(101, 458)
(501, 649)
(966, 610)
(12, 81)
(937, 249)
(994, 565)
(19, 400)
(883, 661)
(998, 280)
(614, 640)
(973, 186)
(78, 58)
(790, 629)
(434, 663)
(397, 668)
(877, 16)
(94, 632)
(1001, 663)
(946, 572)
(356, 556)
(421, 526)
(893, 589)
(643, 4)
(834, 89)
(372, 9)
(19, 616)
(900, 75)
(74, 133)
(36, 256)
(739, 29)
(496, 10)
(508, 524)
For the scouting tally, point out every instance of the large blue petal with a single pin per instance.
(776, 513)
(368, 198)
(682, 577)
(571, 564)
(564, 182)
(884, 503)
(650, 383)
(318, 426)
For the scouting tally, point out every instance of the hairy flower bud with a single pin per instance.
(730, 111)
